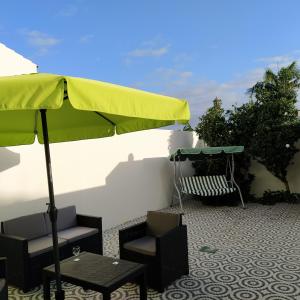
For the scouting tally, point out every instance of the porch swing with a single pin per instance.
(208, 185)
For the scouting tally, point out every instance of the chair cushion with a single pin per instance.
(159, 223)
(42, 245)
(145, 245)
(76, 233)
(29, 227)
(2, 284)
(66, 218)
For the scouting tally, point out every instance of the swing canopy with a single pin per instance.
(193, 154)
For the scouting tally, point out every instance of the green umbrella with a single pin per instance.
(59, 108)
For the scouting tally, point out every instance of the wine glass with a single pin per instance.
(76, 252)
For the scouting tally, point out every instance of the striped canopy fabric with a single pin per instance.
(206, 185)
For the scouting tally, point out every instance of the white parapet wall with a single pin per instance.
(12, 63)
(118, 178)
(264, 180)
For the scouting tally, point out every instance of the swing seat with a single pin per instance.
(206, 185)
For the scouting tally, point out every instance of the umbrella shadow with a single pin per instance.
(8, 159)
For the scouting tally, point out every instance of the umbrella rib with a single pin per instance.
(35, 121)
(105, 118)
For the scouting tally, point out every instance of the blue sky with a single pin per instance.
(192, 49)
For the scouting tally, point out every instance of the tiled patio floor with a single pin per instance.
(258, 256)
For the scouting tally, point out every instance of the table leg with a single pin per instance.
(143, 287)
(46, 286)
(106, 296)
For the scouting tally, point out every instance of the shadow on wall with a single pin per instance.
(126, 194)
(264, 180)
(180, 139)
(8, 159)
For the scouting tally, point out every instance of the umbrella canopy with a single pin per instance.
(79, 109)
(59, 108)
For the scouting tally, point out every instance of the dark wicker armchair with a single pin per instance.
(161, 244)
(3, 281)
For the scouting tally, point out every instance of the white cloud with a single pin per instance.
(275, 59)
(42, 41)
(151, 48)
(173, 76)
(150, 52)
(279, 61)
(166, 80)
(201, 94)
(182, 59)
(68, 11)
(86, 38)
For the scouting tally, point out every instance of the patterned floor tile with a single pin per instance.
(257, 257)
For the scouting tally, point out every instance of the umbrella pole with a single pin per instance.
(59, 294)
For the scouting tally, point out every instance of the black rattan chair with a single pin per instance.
(3, 281)
(161, 244)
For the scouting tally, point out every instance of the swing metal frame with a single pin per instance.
(230, 166)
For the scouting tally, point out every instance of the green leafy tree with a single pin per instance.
(220, 128)
(212, 127)
(277, 125)
(242, 124)
(267, 125)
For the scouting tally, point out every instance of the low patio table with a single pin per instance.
(99, 273)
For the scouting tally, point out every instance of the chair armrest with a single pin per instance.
(90, 221)
(10, 244)
(15, 249)
(172, 246)
(2, 267)
(132, 233)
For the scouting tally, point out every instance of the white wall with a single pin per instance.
(264, 180)
(118, 178)
(12, 63)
